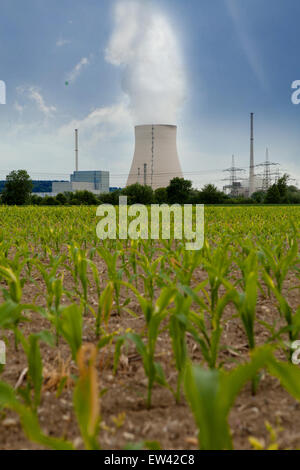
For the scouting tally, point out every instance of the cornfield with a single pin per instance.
(142, 344)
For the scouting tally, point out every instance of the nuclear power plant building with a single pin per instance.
(155, 161)
(96, 182)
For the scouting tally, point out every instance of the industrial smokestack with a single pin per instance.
(156, 153)
(251, 169)
(76, 149)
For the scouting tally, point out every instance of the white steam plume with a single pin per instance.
(144, 45)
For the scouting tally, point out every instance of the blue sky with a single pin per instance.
(239, 56)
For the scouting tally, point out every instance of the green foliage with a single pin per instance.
(154, 315)
(139, 194)
(178, 191)
(84, 197)
(35, 371)
(273, 195)
(70, 326)
(180, 299)
(17, 189)
(160, 196)
(211, 394)
(178, 327)
(278, 192)
(29, 420)
(211, 195)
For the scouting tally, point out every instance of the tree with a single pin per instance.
(273, 195)
(258, 196)
(211, 195)
(161, 196)
(293, 195)
(18, 188)
(86, 198)
(49, 201)
(36, 200)
(138, 194)
(61, 198)
(179, 191)
(110, 198)
(283, 187)
(278, 192)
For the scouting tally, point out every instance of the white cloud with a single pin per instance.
(71, 77)
(62, 42)
(101, 124)
(145, 46)
(106, 142)
(34, 94)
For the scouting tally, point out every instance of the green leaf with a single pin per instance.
(29, 420)
(35, 367)
(71, 327)
(211, 394)
(289, 376)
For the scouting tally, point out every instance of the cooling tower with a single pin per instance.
(155, 161)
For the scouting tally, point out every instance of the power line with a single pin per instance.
(267, 175)
(234, 184)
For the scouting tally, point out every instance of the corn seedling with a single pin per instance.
(154, 315)
(70, 326)
(211, 394)
(29, 420)
(35, 367)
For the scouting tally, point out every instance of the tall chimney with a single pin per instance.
(76, 149)
(251, 169)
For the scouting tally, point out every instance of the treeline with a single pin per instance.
(179, 191)
(18, 189)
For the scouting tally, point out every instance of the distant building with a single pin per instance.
(243, 188)
(61, 187)
(96, 182)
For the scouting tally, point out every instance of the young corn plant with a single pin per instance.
(79, 272)
(32, 392)
(70, 326)
(292, 318)
(54, 286)
(246, 301)
(105, 304)
(217, 265)
(15, 284)
(11, 316)
(29, 420)
(279, 260)
(150, 273)
(184, 263)
(206, 325)
(178, 326)
(211, 395)
(11, 310)
(154, 316)
(114, 273)
(132, 261)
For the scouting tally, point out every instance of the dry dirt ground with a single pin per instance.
(125, 418)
